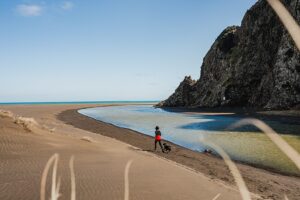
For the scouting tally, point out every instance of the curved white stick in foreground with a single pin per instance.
(287, 20)
(233, 169)
(281, 143)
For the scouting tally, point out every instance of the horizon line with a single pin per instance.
(76, 102)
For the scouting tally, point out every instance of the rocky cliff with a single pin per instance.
(254, 65)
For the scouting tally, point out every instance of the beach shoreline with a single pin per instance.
(139, 134)
(292, 116)
(208, 164)
(97, 147)
(31, 134)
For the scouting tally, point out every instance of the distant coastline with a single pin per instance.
(76, 102)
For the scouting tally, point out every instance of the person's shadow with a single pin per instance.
(139, 149)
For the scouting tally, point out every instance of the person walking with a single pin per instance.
(158, 139)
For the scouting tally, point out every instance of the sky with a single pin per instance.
(100, 50)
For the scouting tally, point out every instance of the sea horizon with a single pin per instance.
(74, 102)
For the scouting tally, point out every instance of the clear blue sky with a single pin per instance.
(106, 49)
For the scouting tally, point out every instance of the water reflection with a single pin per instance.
(222, 122)
(217, 123)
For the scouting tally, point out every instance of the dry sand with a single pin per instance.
(100, 162)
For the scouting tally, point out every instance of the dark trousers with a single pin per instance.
(159, 142)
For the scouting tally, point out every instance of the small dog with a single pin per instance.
(167, 148)
(208, 151)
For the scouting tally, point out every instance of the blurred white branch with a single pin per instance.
(287, 20)
(281, 143)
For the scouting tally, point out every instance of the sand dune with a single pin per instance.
(99, 163)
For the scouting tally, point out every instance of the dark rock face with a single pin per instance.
(182, 95)
(254, 65)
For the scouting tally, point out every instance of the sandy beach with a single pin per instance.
(101, 152)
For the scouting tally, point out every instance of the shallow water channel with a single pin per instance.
(246, 144)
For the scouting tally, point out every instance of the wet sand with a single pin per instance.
(99, 161)
(260, 181)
